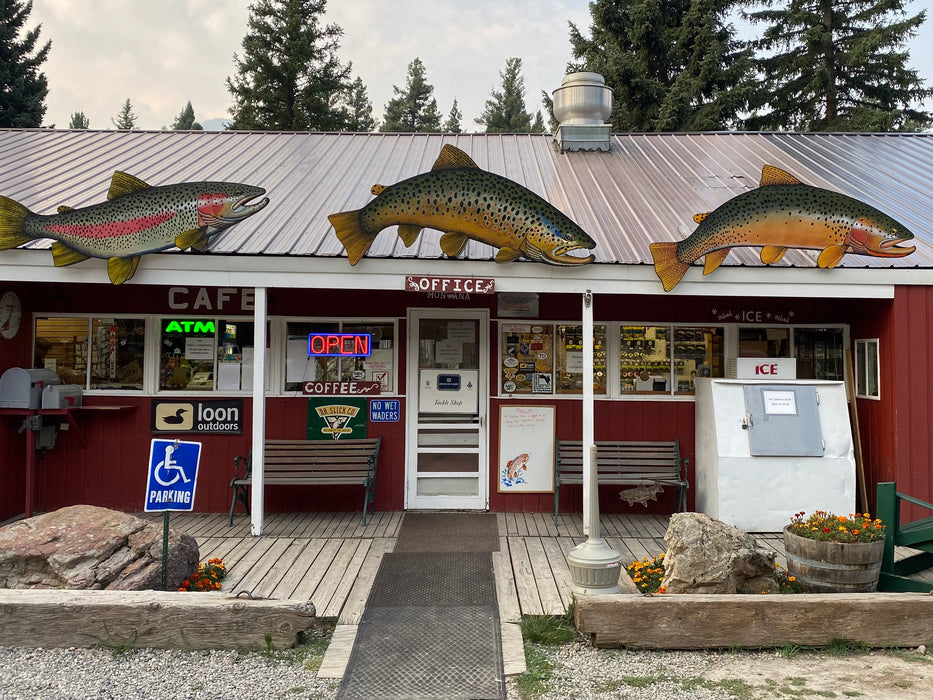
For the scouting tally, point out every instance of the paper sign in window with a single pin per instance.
(779, 403)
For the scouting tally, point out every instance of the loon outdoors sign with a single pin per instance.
(220, 416)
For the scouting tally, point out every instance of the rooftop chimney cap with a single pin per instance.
(582, 98)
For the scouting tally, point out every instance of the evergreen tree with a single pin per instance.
(185, 120)
(289, 73)
(23, 88)
(79, 121)
(126, 119)
(453, 125)
(838, 66)
(358, 108)
(538, 126)
(674, 65)
(414, 108)
(505, 110)
(548, 103)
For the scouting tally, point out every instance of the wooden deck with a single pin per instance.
(332, 559)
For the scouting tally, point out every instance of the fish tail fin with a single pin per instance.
(356, 240)
(669, 268)
(12, 224)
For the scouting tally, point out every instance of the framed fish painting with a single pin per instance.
(526, 449)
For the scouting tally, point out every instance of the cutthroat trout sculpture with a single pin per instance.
(466, 203)
(783, 213)
(137, 219)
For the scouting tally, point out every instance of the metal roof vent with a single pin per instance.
(582, 104)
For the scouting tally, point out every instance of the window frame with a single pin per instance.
(861, 370)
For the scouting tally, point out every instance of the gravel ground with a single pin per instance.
(579, 671)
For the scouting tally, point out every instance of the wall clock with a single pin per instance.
(11, 313)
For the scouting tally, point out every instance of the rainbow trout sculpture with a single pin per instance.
(137, 219)
(465, 202)
(783, 213)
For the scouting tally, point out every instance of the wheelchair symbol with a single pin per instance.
(169, 465)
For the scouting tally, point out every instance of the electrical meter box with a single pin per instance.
(57, 396)
(768, 449)
(22, 388)
(449, 391)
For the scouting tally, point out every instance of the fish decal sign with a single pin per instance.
(783, 213)
(137, 219)
(467, 203)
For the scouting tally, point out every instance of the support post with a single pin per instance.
(587, 436)
(257, 492)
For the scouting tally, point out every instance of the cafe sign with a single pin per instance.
(450, 285)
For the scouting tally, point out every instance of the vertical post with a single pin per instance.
(587, 404)
(257, 492)
(165, 516)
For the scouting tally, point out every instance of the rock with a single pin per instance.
(707, 556)
(86, 547)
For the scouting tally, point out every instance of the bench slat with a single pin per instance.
(312, 463)
(623, 463)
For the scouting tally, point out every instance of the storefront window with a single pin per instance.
(301, 367)
(698, 352)
(819, 353)
(866, 369)
(527, 358)
(61, 345)
(206, 354)
(645, 361)
(764, 342)
(117, 353)
(568, 353)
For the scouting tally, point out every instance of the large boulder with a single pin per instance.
(86, 547)
(707, 556)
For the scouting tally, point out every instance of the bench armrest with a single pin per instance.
(247, 467)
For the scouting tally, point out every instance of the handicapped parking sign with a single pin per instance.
(173, 475)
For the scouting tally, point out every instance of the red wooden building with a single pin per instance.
(182, 331)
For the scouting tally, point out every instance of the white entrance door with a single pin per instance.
(448, 377)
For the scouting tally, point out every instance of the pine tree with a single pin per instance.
(79, 121)
(358, 108)
(453, 125)
(838, 66)
(414, 108)
(23, 88)
(674, 64)
(185, 120)
(538, 126)
(505, 110)
(289, 73)
(126, 119)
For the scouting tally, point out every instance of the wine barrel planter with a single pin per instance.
(833, 567)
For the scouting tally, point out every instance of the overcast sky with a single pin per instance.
(163, 53)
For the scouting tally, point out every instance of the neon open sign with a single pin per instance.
(340, 345)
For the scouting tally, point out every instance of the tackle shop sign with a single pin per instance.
(223, 416)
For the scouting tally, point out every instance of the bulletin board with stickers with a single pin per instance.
(527, 358)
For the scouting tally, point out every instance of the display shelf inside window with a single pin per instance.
(644, 360)
(698, 352)
(569, 359)
(300, 367)
(68, 347)
(117, 353)
(527, 358)
(188, 349)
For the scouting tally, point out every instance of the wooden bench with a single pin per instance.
(917, 535)
(624, 464)
(311, 463)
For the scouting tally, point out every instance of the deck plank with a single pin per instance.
(324, 574)
(242, 565)
(548, 594)
(509, 608)
(307, 554)
(560, 570)
(279, 568)
(332, 579)
(263, 564)
(525, 584)
(345, 582)
(318, 568)
(359, 593)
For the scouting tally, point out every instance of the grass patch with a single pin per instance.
(548, 630)
(535, 681)
(846, 647)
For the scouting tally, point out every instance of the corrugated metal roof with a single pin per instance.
(645, 189)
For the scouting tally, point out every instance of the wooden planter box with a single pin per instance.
(695, 621)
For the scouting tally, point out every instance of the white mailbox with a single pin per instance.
(22, 388)
(449, 391)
